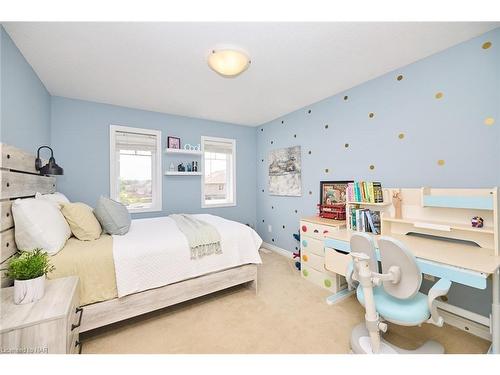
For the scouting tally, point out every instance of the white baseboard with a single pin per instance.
(277, 250)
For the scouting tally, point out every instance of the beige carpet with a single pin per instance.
(289, 315)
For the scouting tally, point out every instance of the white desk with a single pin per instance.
(459, 263)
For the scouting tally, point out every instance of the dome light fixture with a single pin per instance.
(228, 62)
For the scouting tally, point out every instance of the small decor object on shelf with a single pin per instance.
(396, 201)
(28, 271)
(171, 168)
(181, 168)
(190, 147)
(477, 222)
(188, 167)
(173, 142)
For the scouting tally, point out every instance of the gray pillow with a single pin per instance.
(113, 216)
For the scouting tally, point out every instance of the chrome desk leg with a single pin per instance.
(495, 314)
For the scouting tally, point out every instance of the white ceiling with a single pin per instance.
(162, 66)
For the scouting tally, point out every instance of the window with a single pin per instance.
(218, 184)
(135, 168)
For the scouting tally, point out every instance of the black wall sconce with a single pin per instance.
(51, 167)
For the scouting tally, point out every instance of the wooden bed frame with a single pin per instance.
(20, 179)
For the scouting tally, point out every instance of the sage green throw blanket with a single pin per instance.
(203, 238)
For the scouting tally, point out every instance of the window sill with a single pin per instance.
(143, 210)
(218, 205)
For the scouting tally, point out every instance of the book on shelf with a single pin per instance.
(365, 192)
(377, 192)
(350, 192)
(365, 220)
(373, 218)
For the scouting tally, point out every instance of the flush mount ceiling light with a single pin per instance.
(228, 62)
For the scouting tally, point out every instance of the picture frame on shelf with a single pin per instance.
(331, 192)
(173, 142)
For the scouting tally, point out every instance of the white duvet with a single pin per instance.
(155, 253)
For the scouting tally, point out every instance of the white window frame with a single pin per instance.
(233, 145)
(157, 174)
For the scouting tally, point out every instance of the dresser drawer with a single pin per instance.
(73, 324)
(336, 261)
(317, 231)
(331, 282)
(338, 245)
(312, 245)
(312, 260)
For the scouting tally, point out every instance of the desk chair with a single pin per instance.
(392, 295)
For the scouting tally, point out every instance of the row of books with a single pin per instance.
(363, 191)
(365, 220)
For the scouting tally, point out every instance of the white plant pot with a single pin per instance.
(27, 291)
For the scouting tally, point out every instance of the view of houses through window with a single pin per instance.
(218, 173)
(136, 178)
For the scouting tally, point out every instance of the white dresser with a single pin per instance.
(312, 233)
(50, 325)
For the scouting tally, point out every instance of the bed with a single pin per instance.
(147, 269)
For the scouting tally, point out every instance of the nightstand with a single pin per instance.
(50, 325)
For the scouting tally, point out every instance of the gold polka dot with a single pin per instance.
(310, 192)
(439, 95)
(326, 170)
(309, 152)
(372, 167)
(486, 45)
(440, 162)
(489, 121)
(399, 77)
(346, 97)
(401, 135)
(346, 145)
(371, 115)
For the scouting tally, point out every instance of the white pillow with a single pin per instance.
(56, 197)
(39, 224)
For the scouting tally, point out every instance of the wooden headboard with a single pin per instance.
(18, 179)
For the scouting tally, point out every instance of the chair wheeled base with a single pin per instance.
(361, 344)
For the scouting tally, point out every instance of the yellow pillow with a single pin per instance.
(82, 221)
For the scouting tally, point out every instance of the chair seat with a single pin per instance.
(410, 312)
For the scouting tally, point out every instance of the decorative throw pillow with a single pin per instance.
(82, 221)
(39, 224)
(113, 216)
(58, 198)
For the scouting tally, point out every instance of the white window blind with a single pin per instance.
(135, 141)
(220, 147)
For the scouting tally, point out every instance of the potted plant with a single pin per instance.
(28, 270)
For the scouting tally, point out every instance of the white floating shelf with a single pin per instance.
(371, 204)
(180, 151)
(176, 173)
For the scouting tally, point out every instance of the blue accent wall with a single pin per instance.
(25, 102)
(80, 137)
(343, 139)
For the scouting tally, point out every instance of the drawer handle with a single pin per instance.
(79, 344)
(78, 310)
